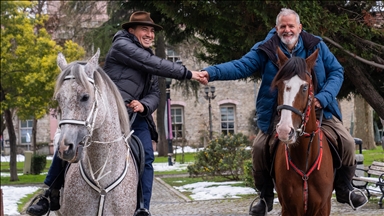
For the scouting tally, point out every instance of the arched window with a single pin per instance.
(227, 113)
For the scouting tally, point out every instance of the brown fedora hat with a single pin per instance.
(141, 18)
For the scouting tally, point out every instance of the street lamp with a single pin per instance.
(168, 82)
(209, 98)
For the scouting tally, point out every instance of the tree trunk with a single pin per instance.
(365, 88)
(364, 123)
(162, 146)
(12, 145)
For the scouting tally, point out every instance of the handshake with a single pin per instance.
(201, 76)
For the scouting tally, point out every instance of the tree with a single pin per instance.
(364, 128)
(28, 64)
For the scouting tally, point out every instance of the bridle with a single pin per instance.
(89, 123)
(304, 115)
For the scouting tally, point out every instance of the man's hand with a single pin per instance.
(317, 103)
(136, 106)
(201, 76)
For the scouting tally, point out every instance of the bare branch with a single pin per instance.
(374, 64)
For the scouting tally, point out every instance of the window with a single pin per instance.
(177, 122)
(26, 130)
(227, 119)
(172, 55)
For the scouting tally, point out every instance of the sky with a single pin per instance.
(199, 191)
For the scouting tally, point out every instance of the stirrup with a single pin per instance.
(261, 199)
(41, 197)
(350, 201)
(142, 212)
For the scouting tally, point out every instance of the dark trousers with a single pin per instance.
(54, 171)
(141, 130)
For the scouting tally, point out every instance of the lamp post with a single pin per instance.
(168, 82)
(209, 98)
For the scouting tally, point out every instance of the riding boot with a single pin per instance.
(55, 199)
(41, 207)
(264, 184)
(49, 200)
(344, 189)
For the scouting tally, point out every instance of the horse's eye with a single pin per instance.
(84, 98)
(305, 88)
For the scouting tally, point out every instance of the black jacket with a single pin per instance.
(134, 70)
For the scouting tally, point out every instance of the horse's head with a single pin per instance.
(80, 104)
(295, 93)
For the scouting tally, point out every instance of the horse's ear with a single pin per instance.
(95, 59)
(92, 64)
(281, 57)
(311, 60)
(61, 62)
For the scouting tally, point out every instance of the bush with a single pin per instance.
(38, 164)
(224, 156)
(248, 176)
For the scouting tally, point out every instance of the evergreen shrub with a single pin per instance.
(224, 156)
(39, 162)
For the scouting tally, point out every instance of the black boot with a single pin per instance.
(264, 184)
(345, 193)
(55, 199)
(42, 206)
(49, 200)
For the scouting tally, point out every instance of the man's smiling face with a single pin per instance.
(145, 34)
(288, 30)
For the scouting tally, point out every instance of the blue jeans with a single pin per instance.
(141, 130)
(54, 171)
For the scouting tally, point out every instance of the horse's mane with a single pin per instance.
(100, 78)
(294, 66)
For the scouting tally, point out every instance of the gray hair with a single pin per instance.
(286, 12)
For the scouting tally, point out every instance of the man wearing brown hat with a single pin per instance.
(133, 67)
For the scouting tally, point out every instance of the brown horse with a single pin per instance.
(303, 166)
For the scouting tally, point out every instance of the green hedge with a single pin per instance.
(224, 156)
(38, 163)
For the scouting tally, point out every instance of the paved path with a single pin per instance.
(167, 201)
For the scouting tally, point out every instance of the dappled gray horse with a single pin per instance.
(102, 178)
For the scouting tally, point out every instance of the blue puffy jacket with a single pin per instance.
(262, 57)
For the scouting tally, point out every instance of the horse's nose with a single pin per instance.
(291, 133)
(66, 147)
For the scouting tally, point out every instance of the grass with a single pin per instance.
(373, 155)
(188, 157)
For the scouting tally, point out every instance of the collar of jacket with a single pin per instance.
(270, 46)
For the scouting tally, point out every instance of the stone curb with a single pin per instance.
(185, 198)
